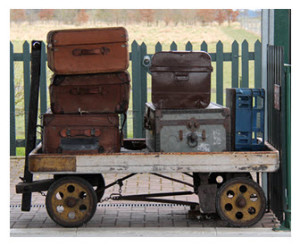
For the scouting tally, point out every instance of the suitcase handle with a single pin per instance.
(86, 52)
(80, 132)
(182, 76)
(86, 91)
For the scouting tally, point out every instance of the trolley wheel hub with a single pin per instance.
(241, 202)
(71, 201)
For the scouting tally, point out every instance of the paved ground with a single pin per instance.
(116, 218)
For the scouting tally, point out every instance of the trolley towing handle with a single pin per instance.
(32, 117)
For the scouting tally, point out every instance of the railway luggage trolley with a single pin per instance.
(222, 180)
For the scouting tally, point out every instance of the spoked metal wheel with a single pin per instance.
(71, 201)
(241, 202)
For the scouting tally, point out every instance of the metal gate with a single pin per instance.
(278, 96)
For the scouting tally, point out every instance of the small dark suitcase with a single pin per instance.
(85, 51)
(94, 93)
(181, 79)
(81, 134)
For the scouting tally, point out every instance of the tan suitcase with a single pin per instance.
(85, 51)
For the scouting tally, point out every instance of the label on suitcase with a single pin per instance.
(93, 93)
(181, 79)
(85, 51)
(81, 134)
(189, 130)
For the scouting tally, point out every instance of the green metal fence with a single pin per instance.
(239, 57)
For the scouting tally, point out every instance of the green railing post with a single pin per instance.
(219, 68)
(12, 125)
(158, 47)
(245, 65)
(188, 46)
(235, 64)
(288, 148)
(203, 46)
(26, 77)
(257, 64)
(136, 88)
(143, 86)
(173, 46)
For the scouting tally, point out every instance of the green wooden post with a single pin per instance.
(43, 81)
(158, 47)
(188, 46)
(245, 65)
(173, 46)
(257, 64)
(26, 70)
(203, 46)
(235, 65)
(12, 125)
(219, 68)
(143, 82)
(136, 90)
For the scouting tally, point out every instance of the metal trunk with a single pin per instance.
(190, 130)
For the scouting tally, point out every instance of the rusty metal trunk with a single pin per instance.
(81, 134)
(189, 130)
(94, 93)
(85, 51)
(181, 80)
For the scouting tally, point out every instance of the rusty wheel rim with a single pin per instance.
(71, 201)
(241, 202)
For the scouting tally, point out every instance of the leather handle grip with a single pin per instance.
(86, 91)
(182, 76)
(86, 52)
(80, 132)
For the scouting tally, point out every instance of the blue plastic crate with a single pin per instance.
(249, 119)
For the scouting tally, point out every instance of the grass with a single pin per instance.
(150, 35)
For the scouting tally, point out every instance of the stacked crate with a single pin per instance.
(181, 117)
(89, 89)
(247, 107)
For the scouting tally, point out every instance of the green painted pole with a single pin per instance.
(173, 46)
(288, 147)
(188, 46)
(143, 92)
(257, 64)
(12, 124)
(219, 68)
(235, 64)
(282, 37)
(26, 77)
(245, 65)
(136, 88)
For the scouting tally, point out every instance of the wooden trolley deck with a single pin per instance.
(142, 161)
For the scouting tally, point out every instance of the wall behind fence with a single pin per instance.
(231, 69)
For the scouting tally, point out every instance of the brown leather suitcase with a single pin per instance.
(93, 93)
(81, 134)
(85, 51)
(181, 79)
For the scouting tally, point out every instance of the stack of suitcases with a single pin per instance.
(89, 90)
(181, 117)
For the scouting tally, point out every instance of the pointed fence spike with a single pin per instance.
(173, 46)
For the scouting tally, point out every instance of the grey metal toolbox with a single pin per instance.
(188, 130)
